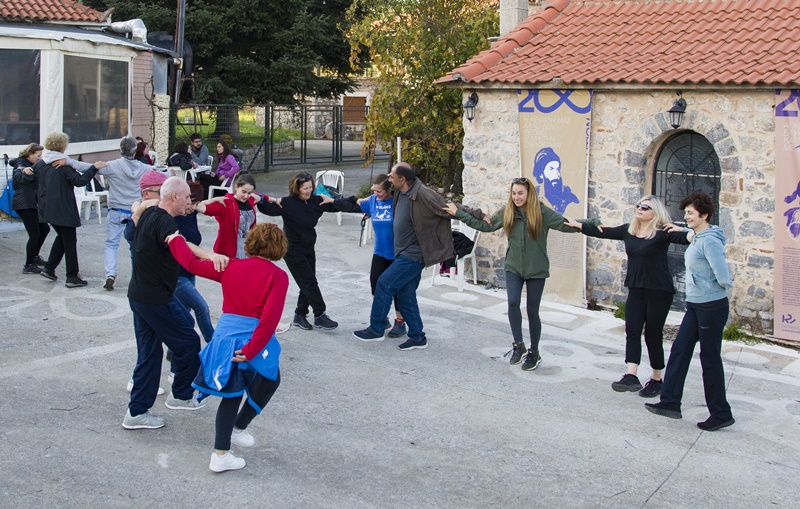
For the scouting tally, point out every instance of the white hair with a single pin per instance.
(172, 185)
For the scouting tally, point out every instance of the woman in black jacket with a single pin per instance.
(57, 176)
(180, 157)
(24, 204)
(301, 211)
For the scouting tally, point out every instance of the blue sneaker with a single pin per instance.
(398, 330)
(368, 334)
(413, 345)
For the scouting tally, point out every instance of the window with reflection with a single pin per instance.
(19, 97)
(95, 99)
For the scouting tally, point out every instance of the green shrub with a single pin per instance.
(620, 311)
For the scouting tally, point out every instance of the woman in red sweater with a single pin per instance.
(244, 354)
(235, 214)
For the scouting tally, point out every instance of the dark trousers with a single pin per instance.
(172, 325)
(64, 246)
(378, 267)
(303, 267)
(260, 391)
(705, 326)
(37, 232)
(648, 310)
(535, 288)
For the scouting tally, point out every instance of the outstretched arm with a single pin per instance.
(187, 255)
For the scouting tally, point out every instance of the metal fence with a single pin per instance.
(265, 136)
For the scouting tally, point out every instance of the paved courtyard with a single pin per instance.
(365, 425)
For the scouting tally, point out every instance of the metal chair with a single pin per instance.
(474, 236)
(335, 179)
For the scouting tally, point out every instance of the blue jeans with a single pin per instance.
(113, 233)
(172, 325)
(186, 292)
(704, 326)
(401, 278)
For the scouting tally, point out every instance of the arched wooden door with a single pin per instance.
(686, 162)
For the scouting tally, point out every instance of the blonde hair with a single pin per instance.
(56, 141)
(660, 217)
(532, 210)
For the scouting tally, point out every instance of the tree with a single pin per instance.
(411, 44)
(255, 50)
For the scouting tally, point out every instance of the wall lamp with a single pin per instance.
(677, 111)
(469, 106)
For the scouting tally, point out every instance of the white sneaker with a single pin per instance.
(282, 327)
(171, 377)
(242, 438)
(225, 462)
(174, 403)
(142, 421)
(129, 388)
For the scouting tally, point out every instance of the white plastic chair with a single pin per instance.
(94, 191)
(227, 189)
(83, 198)
(335, 179)
(177, 171)
(153, 157)
(210, 161)
(474, 236)
(367, 234)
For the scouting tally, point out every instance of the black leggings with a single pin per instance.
(514, 290)
(303, 267)
(648, 310)
(229, 415)
(37, 232)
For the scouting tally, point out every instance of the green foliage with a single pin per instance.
(411, 45)
(620, 311)
(364, 190)
(732, 332)
(255, 50)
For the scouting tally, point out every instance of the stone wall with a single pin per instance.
(628, 128)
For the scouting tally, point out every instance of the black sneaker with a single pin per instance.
(31, 269)
(39, 261)
(75, 282)
(49, 274)
(413, 345)
(628, 383)
(398, 329)
(664, 410)
(324, 322)
(368, 334)
(715, 423)
(532, 360)
(651, 389)
(301, 322)
(516, 353)
(388, 324)
(109, 283)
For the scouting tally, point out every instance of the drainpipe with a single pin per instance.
(135, 27)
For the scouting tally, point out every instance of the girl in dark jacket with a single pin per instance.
(301, 211)
(57, 177)
(24, 204)
(141, 154)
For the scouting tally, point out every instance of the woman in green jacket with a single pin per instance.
(526, 223)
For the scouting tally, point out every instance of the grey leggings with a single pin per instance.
(535, 288)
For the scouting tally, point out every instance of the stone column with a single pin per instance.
(160, 133)
(512, 13)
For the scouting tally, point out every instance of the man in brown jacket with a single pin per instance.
(422, 238)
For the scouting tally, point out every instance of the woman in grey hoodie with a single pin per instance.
(707, 283)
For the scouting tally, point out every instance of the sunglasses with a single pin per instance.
(642, 206)
(519, 180)
(304, 178)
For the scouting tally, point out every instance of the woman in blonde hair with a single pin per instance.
(526, 222)
(650, 290)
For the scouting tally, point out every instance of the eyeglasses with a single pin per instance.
(153, 190)
(304, 178)
(519, 180)
(642, 206)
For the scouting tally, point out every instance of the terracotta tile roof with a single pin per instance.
(50, 10)
(752, 42)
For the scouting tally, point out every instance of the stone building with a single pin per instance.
(726, 58)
